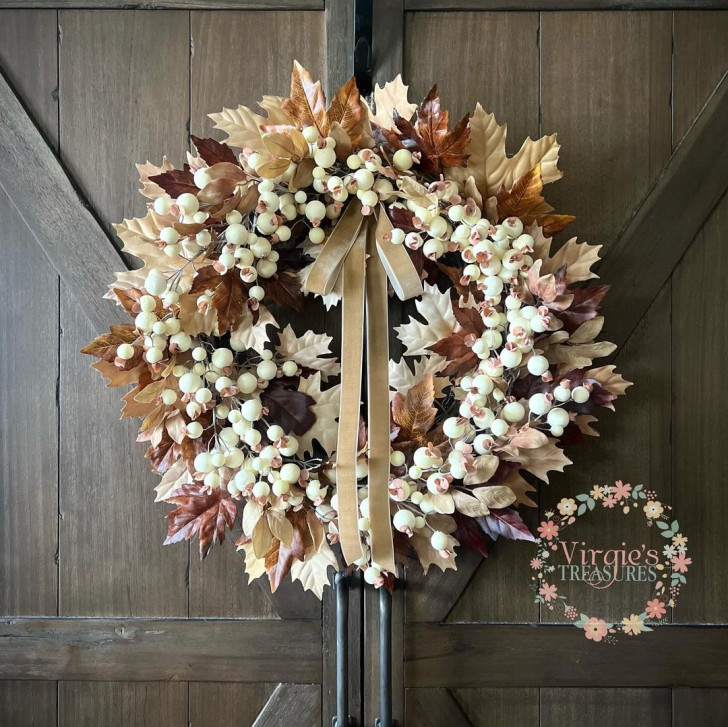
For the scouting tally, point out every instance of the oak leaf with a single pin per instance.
(202, 513)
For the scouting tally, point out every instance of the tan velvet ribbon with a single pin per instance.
(357, 251)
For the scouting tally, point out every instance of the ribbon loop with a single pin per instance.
(357, 251)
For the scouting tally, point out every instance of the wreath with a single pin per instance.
(244, 419)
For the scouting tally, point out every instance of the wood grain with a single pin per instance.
(160, 650)
(614, 707)
(486, 707)
(291, 704)
(698, 706)
(28, 704)
(28, 484)
(549, 5)
(453, 655)
(120, 704)
(213, 704)
(698, 455)
(112, 560)
(434, 707)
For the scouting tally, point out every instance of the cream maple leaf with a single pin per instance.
(313, 571)
(254, 566)
(176, 476)
(540, 461)
(402, 378)
(428, 556)
(578, 259)
(242, 127)
(489, 164)
(326, 410)
(308, 351)
(250, 335)
(151, 190)
(435, 307)
(392, 97)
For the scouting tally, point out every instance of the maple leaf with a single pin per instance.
(326, 412)
(507, 523)
(104, 346)
(576, 257)
(313, 571)
(584, 307)
(428, 556)
(439, 147)
(540, 461)
(176, 182)
(414, 413)
(149, 189)
(202, 513)
(242, 127)
(214, 152)
(402, 377)
(435, 307)
(229, 297)
(348, 112)
(289, 408)
(457, 348)
(388, 99)
(251, 333)
(489, 164)
(308, 351)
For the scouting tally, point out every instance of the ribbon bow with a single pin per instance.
(357, 251)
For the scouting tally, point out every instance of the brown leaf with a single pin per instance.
(214, 152)
(229, 296)
(584, 306)
(280, 557)
(414, 413)
(457, 347)
(307, 104)
(429, 135)
(104, 346)
(285, 288)
(346, 110)
(202, 513)
(176, 182)
(290, 409)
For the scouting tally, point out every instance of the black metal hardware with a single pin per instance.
(385, 660)
(342, 718)
(363, 68)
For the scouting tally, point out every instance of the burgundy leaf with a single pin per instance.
(470, 535)
(176, 182)
(214, 152)
(289, 408)
(505, 522)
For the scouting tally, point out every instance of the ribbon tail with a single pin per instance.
(382, 547)
(354, 269)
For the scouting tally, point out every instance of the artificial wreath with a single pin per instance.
(243, 417)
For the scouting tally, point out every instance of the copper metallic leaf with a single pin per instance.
(414, 413)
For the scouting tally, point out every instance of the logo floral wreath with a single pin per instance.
(625, 499)
(240, 414)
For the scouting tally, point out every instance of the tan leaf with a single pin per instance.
(326, 410)
(313, 571)
(609, 379)
(254, 566)
(274, 168)
(539, 462)
(262, 537)
(388, 99)
(176, 476)
(252, 335)
(520, 488)
(496, 496)
(578, 258)
(307, 104)
(528, 438)
(242, 127)
(468, 504)
(587, 331)
(428, 556)
(289, 144)
(485, 467)
(311, 350)
(251, 514)
(280, 526)
(583, 421)
(402, 377)
(151, 190)
(435, 308)
(444, 523)
(581, 355)
(442, 502)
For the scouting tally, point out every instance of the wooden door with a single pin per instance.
(623, 90)
(103, 626)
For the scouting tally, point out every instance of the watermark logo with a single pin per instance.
(645, 573)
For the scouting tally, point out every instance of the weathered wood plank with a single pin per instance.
(486, 707)
(28, 704)
(387, 40)
(338, 45)
(28, 363)
(160, 650)
(111, 532)
(612, 707)
(29, 172)
(445, 655)
(546, 5)
(651, 245)
(291, 705)
(698, 706)
(216, 704)
(167, 4)
(120, 704)
(220, 79)
(434, 707)
(699, 403)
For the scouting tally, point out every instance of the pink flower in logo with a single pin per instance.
(595, 629)
(655, 609)
(536, 563)
(548, 592)
(609, 501)
(680, 563)
(620, 490)
(548, 530)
